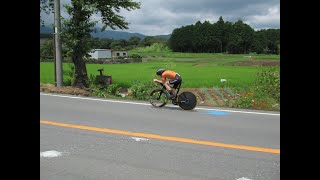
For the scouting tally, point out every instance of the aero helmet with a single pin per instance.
(160, 71)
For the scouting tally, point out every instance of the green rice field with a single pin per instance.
(198, 70)
(194, 76)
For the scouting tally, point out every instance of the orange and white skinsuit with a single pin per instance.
(175, 79)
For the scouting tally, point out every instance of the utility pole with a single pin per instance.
(54, 57)
(57, 25)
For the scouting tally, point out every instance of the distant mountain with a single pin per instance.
(164, 36)
(108, 34)
(116, 34)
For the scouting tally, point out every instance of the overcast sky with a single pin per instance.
(161, 17)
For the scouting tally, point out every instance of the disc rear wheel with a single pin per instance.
(187, 100)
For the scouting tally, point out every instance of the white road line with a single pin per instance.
(93, 99)
(50, 154)
(147, 104)
(243, 178)
(139, 139)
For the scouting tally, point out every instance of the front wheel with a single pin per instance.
(158, 98)
(187, 100)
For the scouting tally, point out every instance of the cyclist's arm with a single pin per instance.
(164, 79)
(156, 80)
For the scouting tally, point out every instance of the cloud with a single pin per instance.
(269, 20)
(156, 17)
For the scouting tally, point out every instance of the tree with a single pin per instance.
(182, 39)
(221, 33)
(45, 6)
(134, 41)
(76, 30)
(198, 37)
(147, 41)
(223, 36)
(266, 41)
(120, 44)
(241, 38)
(46, 50)
(103, 43)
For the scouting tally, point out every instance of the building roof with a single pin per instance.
(101, 49)
(108, 50)
(120, 50)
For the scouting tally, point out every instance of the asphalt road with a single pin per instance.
(92, 138)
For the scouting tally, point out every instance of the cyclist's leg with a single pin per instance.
(174, 88)
(168, 87)
(175, 82)
(167, 84)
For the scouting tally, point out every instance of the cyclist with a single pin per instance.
(174, 79)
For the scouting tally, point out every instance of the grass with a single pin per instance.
(198, 70)
(194, 76)
(158, 52)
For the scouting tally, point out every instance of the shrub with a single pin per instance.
(69, 75)
(113, 89)
(135, 56)
(253, 100)
(141, 90)
(268, 82)
(245, 100)
(97, 91)
(100, 90)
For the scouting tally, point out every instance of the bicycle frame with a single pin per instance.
(186, 100)
(167, 92)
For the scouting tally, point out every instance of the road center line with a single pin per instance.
(166, 138)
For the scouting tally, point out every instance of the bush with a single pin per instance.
(69, 75)
(253, 100)
(268, 82)
(97, 91)
(135, 56)
(105, 91)
(113, 89)
(102, 90)
(141, 90)
(245, 100)
(265, 92)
